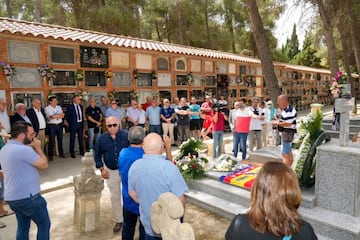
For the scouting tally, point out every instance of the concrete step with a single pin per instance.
(353, 128)
(270, 153)
(335, 134)
(212, 185)
(332, 225)
(227, 201)
(214, 204)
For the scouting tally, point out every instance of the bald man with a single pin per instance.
(287, 127)
(151, 176)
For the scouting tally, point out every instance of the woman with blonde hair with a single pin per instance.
(275, 198)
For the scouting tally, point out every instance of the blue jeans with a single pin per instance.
(32, 208)
(92, 135)
(148, 237)
(240, 139)
(55, 130)
(218, 137)
(155, 129)
(129, 225)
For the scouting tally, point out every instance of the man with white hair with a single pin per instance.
(151, 176)
(4, 117)
(20, 114)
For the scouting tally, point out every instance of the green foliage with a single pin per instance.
(192, 168)
(190, 146)
(312, 124)
(307, 56)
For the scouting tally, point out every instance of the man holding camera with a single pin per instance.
(219, 117)
(255, 125)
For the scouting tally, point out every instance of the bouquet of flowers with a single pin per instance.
(226, 163)
(338, 81)
(9, 70)
(191, 167)
(192, 146)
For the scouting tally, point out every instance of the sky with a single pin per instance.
(300, 15)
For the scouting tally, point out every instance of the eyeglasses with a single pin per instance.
(112, 125)
(113, 103)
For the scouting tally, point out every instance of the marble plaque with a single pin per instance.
(143, 94)
(209, 67)
(22, 52)
(97, 96)
(197, 80)
(232, 81)
(164, 80)
(258, 92)
(143, 61)
(120, 59)
(121, 79)
(195, 65)
(180, 64)
(259, 81)
(232, 68)
(259, 71)
(26, 78)
(222, 67)
(162, 63)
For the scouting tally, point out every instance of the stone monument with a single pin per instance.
(165, 218)
(87, 189)
(343, 106)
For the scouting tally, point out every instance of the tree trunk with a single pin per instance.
(353, 30)
(344, 38)
(38, 11)
(138, 20)
(8, 9)
(208, 44)
(329, 38)
(262, 44)
(158, 31)
(180, 23)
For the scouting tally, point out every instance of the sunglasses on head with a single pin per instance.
(113, 103)
(112, 125)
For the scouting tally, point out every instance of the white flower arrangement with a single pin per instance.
(226, 163)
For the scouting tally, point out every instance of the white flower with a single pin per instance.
(185, 167)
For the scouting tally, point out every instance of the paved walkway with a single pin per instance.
(56, 184)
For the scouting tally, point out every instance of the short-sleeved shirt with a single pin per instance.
(21, 178)
(134, 113)
(207, 105)
(153, 113)
(255, 124)
(126, 158)
(50, 110)
(151, 176)
(114, 113)
(289, 115)
(167, 113)
(195, 108)
(95, 113)
(220, 124)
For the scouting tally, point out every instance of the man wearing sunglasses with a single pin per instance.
(106, 158)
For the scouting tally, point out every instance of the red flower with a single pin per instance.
(194, 166)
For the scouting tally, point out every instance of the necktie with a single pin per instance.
(78, 110)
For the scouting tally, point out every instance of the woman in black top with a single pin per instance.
(275, 198)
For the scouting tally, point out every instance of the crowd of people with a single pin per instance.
(128, 144)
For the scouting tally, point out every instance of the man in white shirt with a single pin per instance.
(55, 115)
(255, 125)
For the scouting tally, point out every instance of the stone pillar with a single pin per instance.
(343, 106)
(165, 218)
(87, 190)
(316, 107)
(338, 177)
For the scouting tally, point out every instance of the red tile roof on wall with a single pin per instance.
(66, 33)
(35, 29)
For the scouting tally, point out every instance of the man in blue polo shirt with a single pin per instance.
(22, 180)
(151, 176)
(153, 115)
(106, 158)
(94, 117)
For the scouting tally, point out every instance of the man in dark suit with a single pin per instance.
(37, 117)
(20, 114)
(74, 120)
